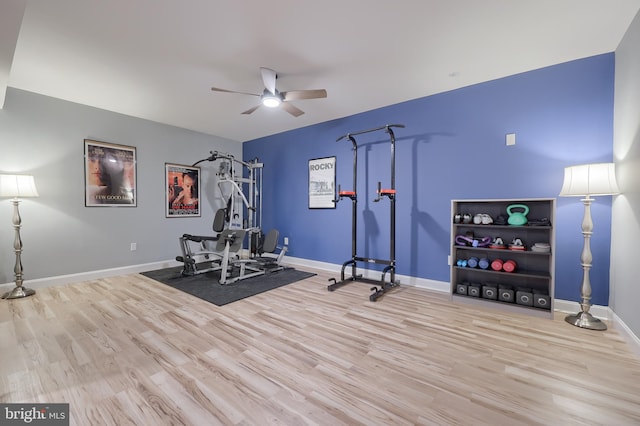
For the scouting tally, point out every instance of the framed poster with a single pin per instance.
(110, 174)
(182, 188)
(322, 183)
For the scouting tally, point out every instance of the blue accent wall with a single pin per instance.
(453, 147)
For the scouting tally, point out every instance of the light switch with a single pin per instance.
(511, 139)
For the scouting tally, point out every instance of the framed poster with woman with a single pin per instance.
(110, 174)
(182, 188)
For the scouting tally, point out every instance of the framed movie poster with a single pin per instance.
(322, 183)
(110, 174)
(182, 187)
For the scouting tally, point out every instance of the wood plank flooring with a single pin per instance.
(131, 351)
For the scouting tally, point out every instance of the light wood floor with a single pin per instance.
(129, 350)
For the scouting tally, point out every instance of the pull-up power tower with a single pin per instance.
(383, 285)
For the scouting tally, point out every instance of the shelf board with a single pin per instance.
(536, 253)
(528, 274)
(491, 226)
(505, 306)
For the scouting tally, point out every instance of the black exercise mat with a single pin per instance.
(207, 286)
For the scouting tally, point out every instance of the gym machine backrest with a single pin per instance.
(269, 246)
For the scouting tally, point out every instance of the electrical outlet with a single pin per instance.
(134, 246)
(286, 241)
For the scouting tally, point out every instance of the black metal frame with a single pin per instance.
(383, 285)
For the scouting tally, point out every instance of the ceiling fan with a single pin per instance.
(272, 98)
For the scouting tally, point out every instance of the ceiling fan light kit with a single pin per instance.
(272, 98)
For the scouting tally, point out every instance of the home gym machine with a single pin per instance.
(240, 216)
(383, 285)
(230, 184)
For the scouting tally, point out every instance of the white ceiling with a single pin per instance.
(157, 59)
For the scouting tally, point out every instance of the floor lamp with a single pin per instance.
(584, 181)
(17, 186)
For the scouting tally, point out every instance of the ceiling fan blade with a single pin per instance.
(295, 111)
(217, 89)
(296, 95)
(250, 110)
(269, 79)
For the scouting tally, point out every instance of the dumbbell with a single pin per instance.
(506, 266)
(484, 263)
(509, 265)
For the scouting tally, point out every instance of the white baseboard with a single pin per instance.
(628, 335)
(598, 311)
(91, 275)
(603, 312)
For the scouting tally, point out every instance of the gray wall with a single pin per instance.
(44, 136)
(625, 233)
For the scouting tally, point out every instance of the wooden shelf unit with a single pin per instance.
(534, 273)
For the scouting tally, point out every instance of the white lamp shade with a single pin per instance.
(589, 179)
(17, 186)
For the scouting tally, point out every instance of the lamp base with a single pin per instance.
(585, 320)
(18, 293)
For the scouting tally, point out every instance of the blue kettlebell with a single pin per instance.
(517, 218)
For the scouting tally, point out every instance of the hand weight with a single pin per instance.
(509, 265)
(472, 262)
(506, 266)
(496, 265)
(517, 218)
